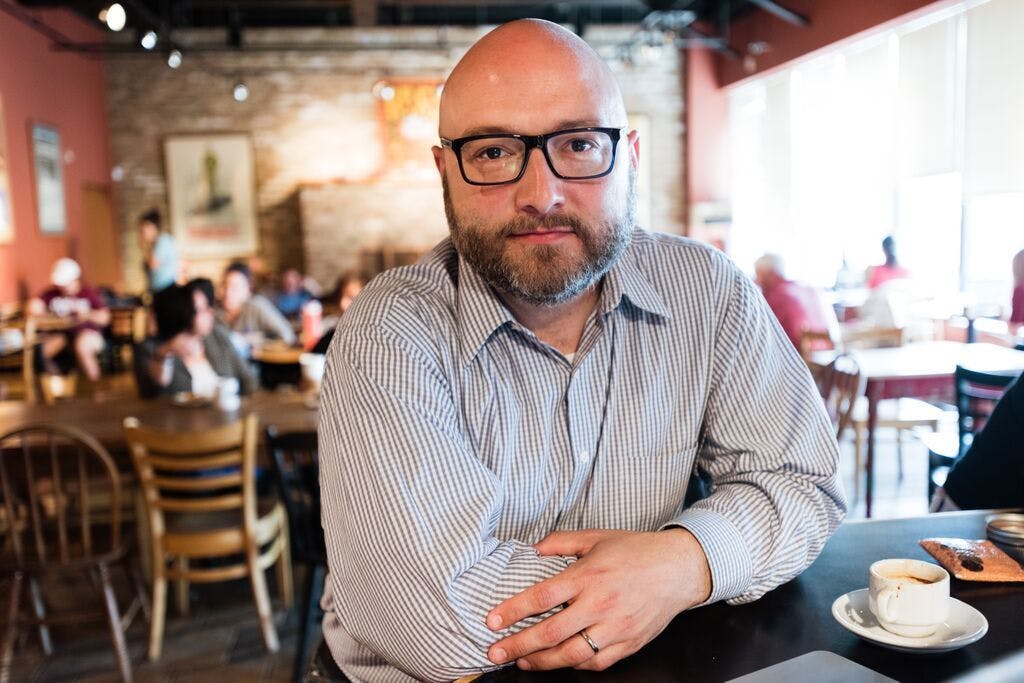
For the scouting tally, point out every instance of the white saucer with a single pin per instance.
(964, 625)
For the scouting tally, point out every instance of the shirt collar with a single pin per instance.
(481, 312)
(626, 281)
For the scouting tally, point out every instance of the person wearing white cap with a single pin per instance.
(84, 309)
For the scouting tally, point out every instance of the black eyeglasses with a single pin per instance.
(573, 154)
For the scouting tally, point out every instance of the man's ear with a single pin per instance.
(438, 153)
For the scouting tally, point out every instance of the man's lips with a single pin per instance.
(543, 236)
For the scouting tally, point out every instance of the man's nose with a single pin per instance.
(539, 191)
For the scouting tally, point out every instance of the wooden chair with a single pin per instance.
(199, 494)
(127, 328)
(61, 500)
(841, 386)
(297, 471)
(17, 367)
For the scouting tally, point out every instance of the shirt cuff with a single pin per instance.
(725, 548)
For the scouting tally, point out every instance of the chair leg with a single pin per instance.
(899, 454)
(12, 628)
(135, 576)
(181, 587)
(284, 567)
(40, 611)
(858, 450)
(261, 597)
(116, 632)
(156, 624)
(312, 590)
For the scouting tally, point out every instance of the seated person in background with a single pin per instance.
(251, 315)
(890, 270)
(797, 307)
(190, 352)
(83, 306)
(1017, 301)
(508, 427)
(293, 294)
(991, 473)
(348, 288)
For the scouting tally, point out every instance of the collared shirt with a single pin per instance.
(452, 439)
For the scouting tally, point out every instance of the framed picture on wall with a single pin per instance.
(407, 109)
(6, 215)
(211, 189)
(49, 186)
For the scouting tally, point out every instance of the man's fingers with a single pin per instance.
(605, 658)
(545, 635)
(573, 651)
(570, 542)
(537, 599)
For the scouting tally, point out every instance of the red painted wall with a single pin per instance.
(708, 73)
(65, 90)
(707, 113)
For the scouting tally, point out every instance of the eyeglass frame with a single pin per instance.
(534, 142)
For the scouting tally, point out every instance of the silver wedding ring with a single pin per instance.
(590, 641)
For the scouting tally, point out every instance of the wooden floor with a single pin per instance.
(220, 642)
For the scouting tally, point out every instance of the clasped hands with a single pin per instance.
(623, 590)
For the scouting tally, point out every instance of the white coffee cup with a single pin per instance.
(909, 597)
(227, 393)
(312, 365)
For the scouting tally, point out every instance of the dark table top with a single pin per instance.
(721, 642)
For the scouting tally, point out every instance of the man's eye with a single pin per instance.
(492, 153)
(581, 145)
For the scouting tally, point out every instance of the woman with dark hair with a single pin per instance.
(190, 353)
(890, 270)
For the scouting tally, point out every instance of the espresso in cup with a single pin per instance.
(909, 597)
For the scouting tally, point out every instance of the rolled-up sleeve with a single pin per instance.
(409, 513)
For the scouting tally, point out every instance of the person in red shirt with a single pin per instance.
(797, 307)
(84, 310)
(1017, 302)
(890, 270)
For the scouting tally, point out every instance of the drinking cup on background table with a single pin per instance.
(227, 394)
(312, 365)
(909, 597)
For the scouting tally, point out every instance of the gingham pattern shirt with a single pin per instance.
(452, 439)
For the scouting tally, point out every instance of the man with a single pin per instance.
(509, 426)
(159, 252)
(251, 314)
(293, 294)
(797, 307)
(84, 310)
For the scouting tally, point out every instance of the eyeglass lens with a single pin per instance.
(580, 154)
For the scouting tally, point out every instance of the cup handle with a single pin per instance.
(884, 602)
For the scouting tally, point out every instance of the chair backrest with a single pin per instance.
(201, 471)
(296, 468)
(60, 497)
(977, 393)
(841, 385)
(875, 338)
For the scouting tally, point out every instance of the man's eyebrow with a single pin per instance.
(504, 130)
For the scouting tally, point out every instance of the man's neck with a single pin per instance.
(561, 325)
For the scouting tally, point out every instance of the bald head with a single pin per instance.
(529, 76)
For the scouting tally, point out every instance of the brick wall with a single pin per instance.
(312, 116)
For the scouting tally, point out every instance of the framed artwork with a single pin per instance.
(6, 216)
(211, 188)
(48, 167)
(409, 119)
